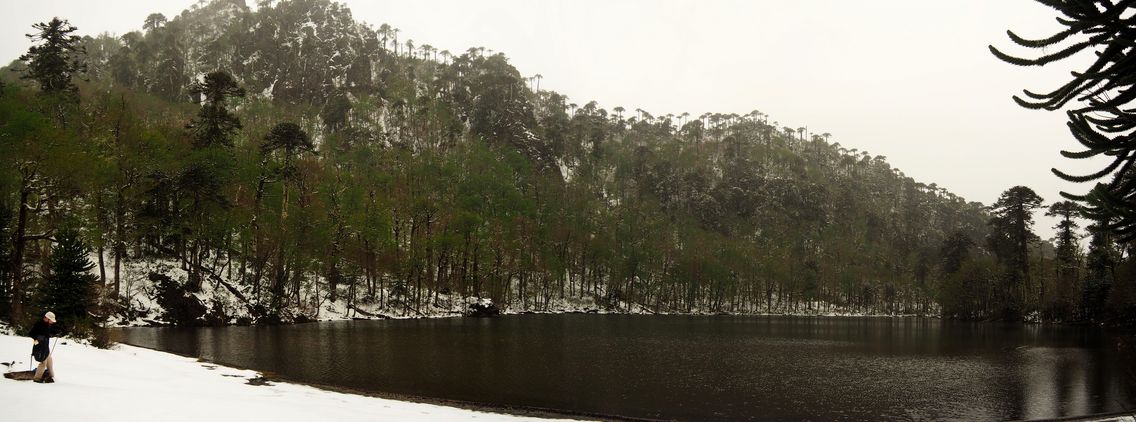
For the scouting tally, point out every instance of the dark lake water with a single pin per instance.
(724, 368)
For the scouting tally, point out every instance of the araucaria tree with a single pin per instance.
(55, 60)
(1104, 119)
(204, 180)
(1011, 233)
(215, 124)
(1058, 303)
(281, 148)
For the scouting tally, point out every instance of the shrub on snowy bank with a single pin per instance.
(483, 309)
(180, 308)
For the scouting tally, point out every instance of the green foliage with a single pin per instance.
(1100, 271)
(966, 292)
(955, 252)
(5, 258)
(214, 125)
(287, 138)
(46, 162)
(1011, 234)
(154, 21)
(335, 111)
(358, 171)
(1060, 300)
(69, 290)
(55, 61)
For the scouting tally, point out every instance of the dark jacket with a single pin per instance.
(42, 331)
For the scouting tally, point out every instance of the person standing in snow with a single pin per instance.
(41, 347)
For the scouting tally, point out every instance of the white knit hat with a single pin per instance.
(50, 316)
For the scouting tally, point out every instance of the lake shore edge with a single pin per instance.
(513, 410)
(267, 390)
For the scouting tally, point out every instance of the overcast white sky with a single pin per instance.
(910, 80)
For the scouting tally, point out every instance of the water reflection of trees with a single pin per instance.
(1065, 381)
(913, 368)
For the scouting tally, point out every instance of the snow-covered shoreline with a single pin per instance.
(127, 383)
(139, 294)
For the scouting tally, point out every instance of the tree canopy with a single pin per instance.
(1102, 120)
(55, 60)
(287, 158)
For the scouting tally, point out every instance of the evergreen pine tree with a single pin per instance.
(69, 290)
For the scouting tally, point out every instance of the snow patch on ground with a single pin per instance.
(134, 384)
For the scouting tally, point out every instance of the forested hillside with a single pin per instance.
(291, 156)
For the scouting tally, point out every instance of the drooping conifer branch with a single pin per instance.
(1104, 124)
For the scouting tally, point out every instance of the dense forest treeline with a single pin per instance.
(288, 157)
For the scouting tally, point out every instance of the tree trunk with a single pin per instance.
(119, 248)
(102, 266)
(17, 309)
